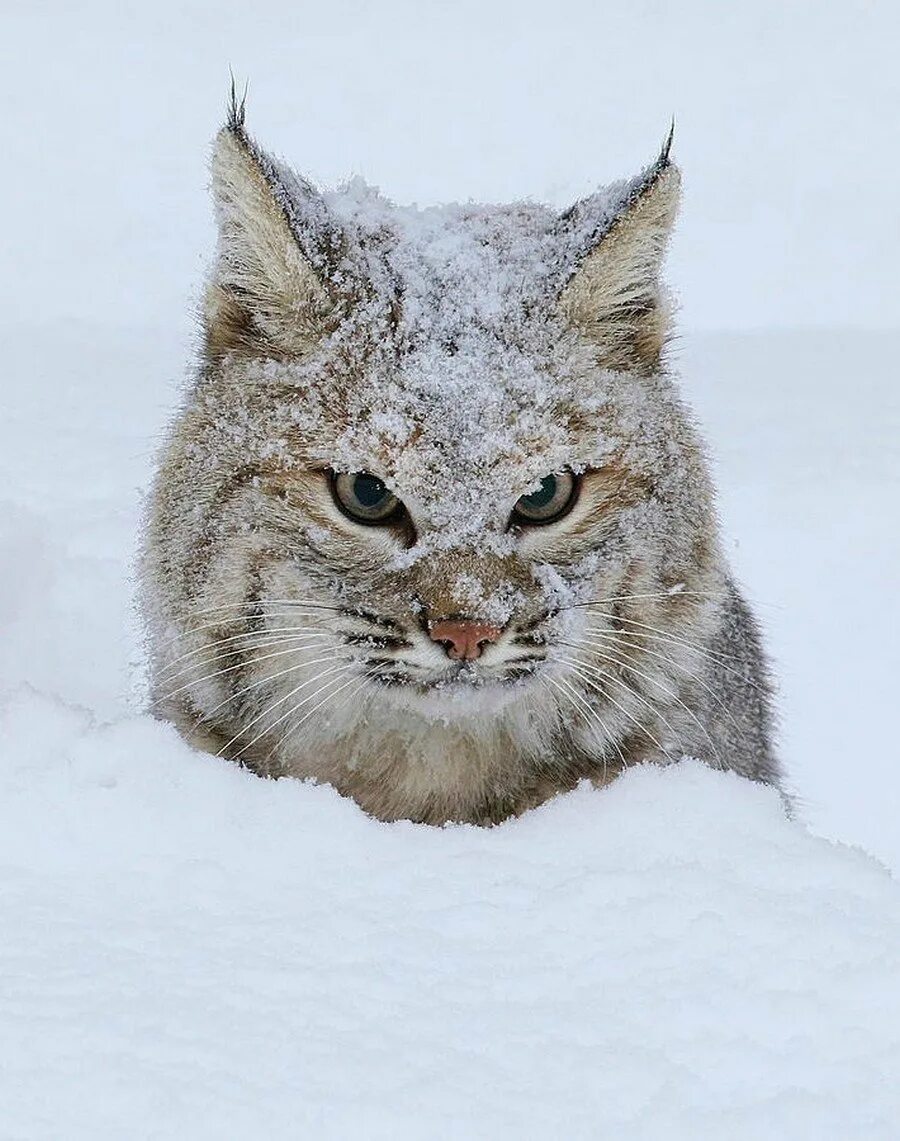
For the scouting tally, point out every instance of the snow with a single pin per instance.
(191, 952)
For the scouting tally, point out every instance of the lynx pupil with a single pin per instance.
(364, 497)
(369, 490)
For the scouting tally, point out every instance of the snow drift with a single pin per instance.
(190, 951)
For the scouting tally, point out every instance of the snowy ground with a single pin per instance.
(191, 952)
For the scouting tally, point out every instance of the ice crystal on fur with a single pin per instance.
(457, 661)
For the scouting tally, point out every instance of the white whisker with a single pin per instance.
(294, 709)
(720, 595)
(367, 676)
(579, 669)
(263, 641)
(265, 681)
(278, 701)
(231, 669)
(626, 647)
(544, 722)
(607, 676)
(688, 643)
(593, 713)
(650, 594)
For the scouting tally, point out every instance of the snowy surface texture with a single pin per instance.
(192, 952)
(187, 952)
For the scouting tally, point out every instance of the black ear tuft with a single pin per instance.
(663, 159)
(237, 111)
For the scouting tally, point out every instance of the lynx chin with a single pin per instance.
(433, 524)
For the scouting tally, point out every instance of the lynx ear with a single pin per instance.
(269, 291)
(615, 296)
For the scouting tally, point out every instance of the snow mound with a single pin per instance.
(189, 951)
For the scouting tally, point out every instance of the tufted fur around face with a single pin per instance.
(459, 355)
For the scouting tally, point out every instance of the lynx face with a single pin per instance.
(432, 525)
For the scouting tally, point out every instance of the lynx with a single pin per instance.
(433, 525)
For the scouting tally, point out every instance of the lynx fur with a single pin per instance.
(459, 355)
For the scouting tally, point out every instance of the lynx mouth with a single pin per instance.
(458, 678)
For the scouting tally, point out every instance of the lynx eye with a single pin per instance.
(364, 497)
(553, 499)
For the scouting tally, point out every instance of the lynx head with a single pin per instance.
(429, 453)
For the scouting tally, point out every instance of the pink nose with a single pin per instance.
(463, 640)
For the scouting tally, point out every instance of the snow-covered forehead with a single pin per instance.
(472, 404)
(455, 269)
(462, 435)
(470, 431)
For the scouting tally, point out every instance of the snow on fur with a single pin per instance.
(464, 388)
